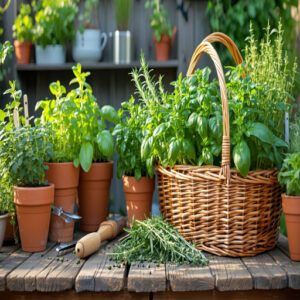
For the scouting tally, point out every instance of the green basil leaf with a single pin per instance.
(159, 129)
(76, 162)
(242, 157)
(105, 143)
(174, 149)
(202, 126)
(192, 120)
(189, 150)
(86, 156)
(109, 114)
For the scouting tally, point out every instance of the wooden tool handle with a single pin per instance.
(92, 241)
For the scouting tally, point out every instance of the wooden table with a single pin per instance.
(263, 276)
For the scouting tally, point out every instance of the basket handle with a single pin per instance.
(228, 43)
(209, 49)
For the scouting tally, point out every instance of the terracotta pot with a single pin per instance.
(3, 224)
(291, 209)
(93, 195)
(23, 51)
(33, 206)
(138, 195)
(65, 178)
(162, 48)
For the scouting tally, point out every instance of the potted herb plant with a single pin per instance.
(89, 40)
(123, 47)
(80, 138)
(54, 27)
(162, 29)
(289, 177)
(22, 32)
(138, 186)
(23, 153)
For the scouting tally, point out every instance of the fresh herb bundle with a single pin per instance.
(154, 240)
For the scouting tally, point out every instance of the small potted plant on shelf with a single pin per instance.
(24, 149)
(80, 138)
(89, 40)
(138, 183)
(163, 32)
(22, 32)
(123, 48)
(54, 27)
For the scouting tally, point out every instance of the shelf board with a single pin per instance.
(97, 66)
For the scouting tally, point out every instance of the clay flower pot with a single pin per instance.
(65, 178)
(93, 195)
(33, 206)
(138, 195)
(162, 47)
(291, 208)
(3, 224)
(23, 51)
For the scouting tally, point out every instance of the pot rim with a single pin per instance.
(22, 188)
(289, 196)
(4, 216)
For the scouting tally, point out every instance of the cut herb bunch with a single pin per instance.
(154, 240)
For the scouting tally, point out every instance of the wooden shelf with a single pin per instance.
(173, 64)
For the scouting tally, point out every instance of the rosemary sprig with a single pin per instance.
(154, 240)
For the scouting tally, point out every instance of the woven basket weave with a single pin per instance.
(214, 207)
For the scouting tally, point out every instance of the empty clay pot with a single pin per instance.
(65, 178)
(291, 209)
(138, 194)
(33, 206)
(93, 193)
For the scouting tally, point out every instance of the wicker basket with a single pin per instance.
(214, 207)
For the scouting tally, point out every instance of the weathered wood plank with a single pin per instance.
(230, 273)
(9, 264)
(147, 277)
(100, 274)
(266, 273)
(189, 278)
(5, 251)
(292, 268)
(60, 274)
(24, 277)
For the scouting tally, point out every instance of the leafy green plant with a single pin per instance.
(295, 135)
(23, 150)
(54, 21)
(5, 52)
(80, 132)
(268, 63)
(154, 240)
(234, 16)
(85, 18)
(129, 136)
(185, 126)
(289, 175)
(23, 24)
(122, 12)
(159, 21)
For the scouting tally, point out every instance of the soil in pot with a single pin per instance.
(291, 208)
(93, 192)
(33, 206)
(162, 48)
(3, 224)
(23, 52)
(138, 194)
(65, 178)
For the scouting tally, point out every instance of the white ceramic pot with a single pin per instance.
(3, 222)
(50, 55)
(88, 46)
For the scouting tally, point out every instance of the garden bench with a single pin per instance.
(266, 275)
